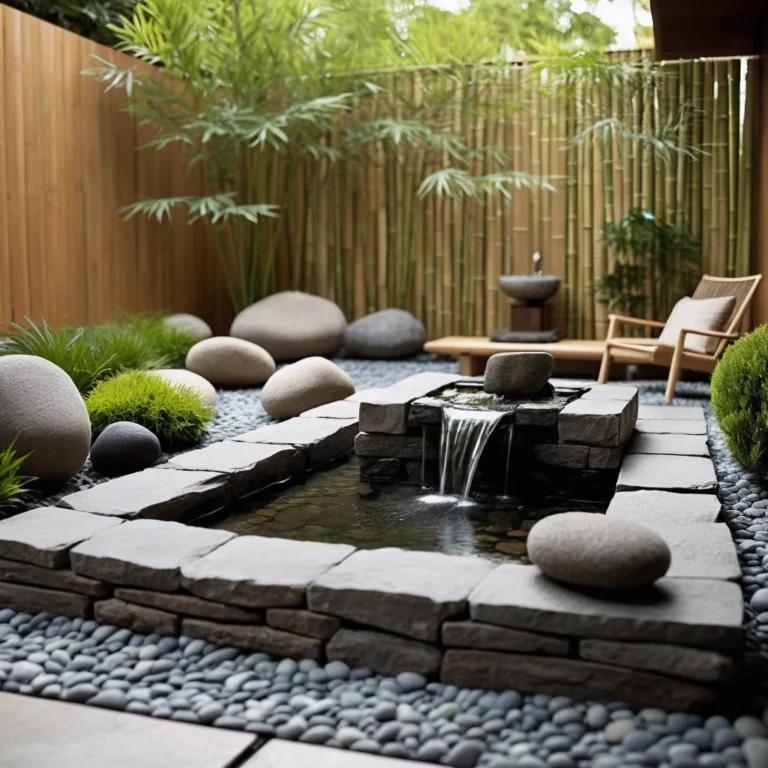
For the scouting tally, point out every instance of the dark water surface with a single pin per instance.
(334, 506)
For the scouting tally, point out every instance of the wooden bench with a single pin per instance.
(473, 351)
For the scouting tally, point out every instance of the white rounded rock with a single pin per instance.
(192, 324)
(228, 362)
(42, 411)
(194, 381)
(303, 385)
(591, 550)
(292, 325)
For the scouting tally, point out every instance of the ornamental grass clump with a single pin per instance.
(13, 485)
(740, 399)
(96, 352)
(176, 415)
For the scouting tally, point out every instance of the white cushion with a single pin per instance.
(706, 314)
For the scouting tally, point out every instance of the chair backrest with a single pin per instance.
(741, 288)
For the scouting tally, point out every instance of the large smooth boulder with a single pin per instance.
(303, 385)
(42, 411)
(192, 324)
(228, 362)
(390, 333)
(124, 447)
(292, 325)
(591, 550)
(194, 381)
(518, 373)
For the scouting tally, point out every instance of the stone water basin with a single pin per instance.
(334, 506)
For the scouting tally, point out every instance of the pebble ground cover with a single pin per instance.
(406, 716)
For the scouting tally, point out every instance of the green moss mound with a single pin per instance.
(176, 415)
(740, 399)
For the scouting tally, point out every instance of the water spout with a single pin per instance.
(464, 435)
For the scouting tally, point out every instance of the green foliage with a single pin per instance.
(92, 354)
(740, 399)
(89, 19)
(175, 414)
(247, 81)
(648, 252)
(13, 485)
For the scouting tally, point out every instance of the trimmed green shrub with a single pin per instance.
(13, 485)
(94, 353)
(740, 399)
(176, 415)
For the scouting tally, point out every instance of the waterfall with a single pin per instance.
(464, 436)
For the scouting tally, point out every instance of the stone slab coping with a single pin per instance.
(40, 733)
(672, 426)
(704, 613)
(610, 392)
(261, 572)
(145, 553)
(702, 550)
(407, 592)
(249, 466)
(597, 422)
(156, 492)
(670, 444)
(671, 412)
(287, 754)
(44, 536)
(14, 572)
(678, 473)
(340, 409)
(665, 507)
(299, 432)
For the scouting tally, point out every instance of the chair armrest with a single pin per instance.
(622, 319)
(713, 334)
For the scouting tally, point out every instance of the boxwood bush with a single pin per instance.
(175, 414)
(740, 399)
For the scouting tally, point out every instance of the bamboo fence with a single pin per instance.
(357, 232)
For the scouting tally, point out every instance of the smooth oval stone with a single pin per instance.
(591, 550)
(518, 373)
(389, 333)
(179, 377)
(191, 324)
(124, 447)
(292, 325)
(230, 362)
(304, 385)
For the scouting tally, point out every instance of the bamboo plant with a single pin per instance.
(254, 90)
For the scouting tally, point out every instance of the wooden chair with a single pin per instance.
(677, 358)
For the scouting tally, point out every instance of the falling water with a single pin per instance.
(464, 436)
(508, 460)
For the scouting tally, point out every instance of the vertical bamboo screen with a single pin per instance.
(359, 233)
(362, 236)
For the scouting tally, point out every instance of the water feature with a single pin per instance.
(465, 433)
(333, 505)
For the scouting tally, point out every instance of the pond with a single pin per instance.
(333, 505)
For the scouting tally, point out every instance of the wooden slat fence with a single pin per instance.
(358, 233)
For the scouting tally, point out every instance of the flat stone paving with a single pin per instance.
(690, 426)
(44, 536)
(671, 412)
(281, 754)
(156, 493)
(665, 507)
(261, 572)
(654, 471)
(410, 593)
(705, 613)
(37, 733)
(674, 445)
(145, 553)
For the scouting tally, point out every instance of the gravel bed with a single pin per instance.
(406, 716)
